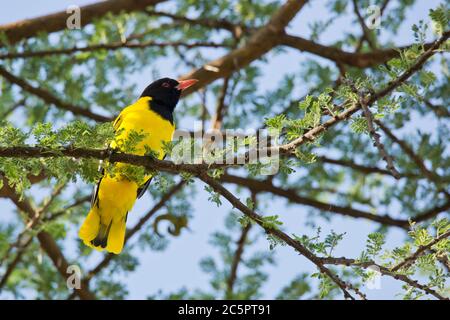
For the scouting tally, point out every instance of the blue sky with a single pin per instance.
(178, 265)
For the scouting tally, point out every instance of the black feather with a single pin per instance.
(160, 108)
(101, 240)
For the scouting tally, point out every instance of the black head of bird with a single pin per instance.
(166, 91)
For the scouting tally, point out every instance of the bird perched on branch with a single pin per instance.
(114, 196)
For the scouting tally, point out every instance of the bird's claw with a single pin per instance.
(110, 152)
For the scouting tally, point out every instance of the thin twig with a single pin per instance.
(235, 29)
(376, 138)
(237, 258)
(276, 232)
(111, 47)
(311, 135)
(419, 252)
(11, 266)
(50, 98)
(216, 122)
(432, 176)
(11, 109)
(365, 30)
(76, 203)
(364, 169)
(385, 271)
(49, 245)
(32, 223)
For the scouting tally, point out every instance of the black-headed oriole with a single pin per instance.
(114, 196)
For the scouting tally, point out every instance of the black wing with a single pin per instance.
(97, 187)
(143, 188)
(94, 198)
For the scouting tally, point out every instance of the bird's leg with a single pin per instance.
(109, 152)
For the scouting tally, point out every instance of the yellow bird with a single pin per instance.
(152, 114)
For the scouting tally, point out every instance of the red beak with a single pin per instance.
(184, 84)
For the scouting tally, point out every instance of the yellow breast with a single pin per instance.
(140, 118)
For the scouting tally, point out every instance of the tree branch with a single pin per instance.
(364, 169)
(50, 246)
(236, 260)
(374, 134)
(28, 28)
(7, 192)
(311, 135)
(419, 252)
(359, 60)
(11, 266)
(235, 29)
(50, 98)
(112, 47)
(216, 122)
(292, 196)
(439, 110)
(410, 152)
(365, 30)
(262, 41)
(353, 59)
(11, 109)
(196, 169)
(384, 271)
(278, 234)
(21, 244)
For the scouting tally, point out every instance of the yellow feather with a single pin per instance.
(116, 195)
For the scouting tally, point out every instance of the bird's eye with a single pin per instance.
(166, 85)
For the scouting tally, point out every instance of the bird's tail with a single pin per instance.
(100, 236)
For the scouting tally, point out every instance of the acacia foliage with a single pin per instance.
(338, 171)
